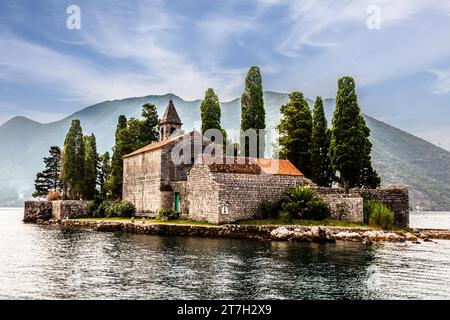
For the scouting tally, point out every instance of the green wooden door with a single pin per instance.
(177, 202)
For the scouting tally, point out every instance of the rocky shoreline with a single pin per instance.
(265, 233)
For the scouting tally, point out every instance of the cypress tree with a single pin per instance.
(296, 128)
(49, 179)
(74, 161)
(350, 147)
(104, 173)
(253, 114)
(321, 171)
(91, 164)
(124, 145)
(150, 128)
(211, 113)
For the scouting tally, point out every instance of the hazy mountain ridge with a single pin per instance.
(400, 157)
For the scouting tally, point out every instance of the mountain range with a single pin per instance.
(400, 158)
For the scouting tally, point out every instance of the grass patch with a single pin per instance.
(106, 219)
(179, 221)
(153, 221)
(304, 222)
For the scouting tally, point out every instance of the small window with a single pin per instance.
(224, 209)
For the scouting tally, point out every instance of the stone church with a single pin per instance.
(201, 188)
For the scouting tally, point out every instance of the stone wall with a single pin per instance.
(394, 197)
(70, 209)
(228, 197)
(348, 207)
(46, 210)
(203, 196)
(242, 193)
(37, 210)
(142, 181)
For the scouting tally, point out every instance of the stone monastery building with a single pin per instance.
(201, 188)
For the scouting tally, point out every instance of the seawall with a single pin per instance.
(266, 232)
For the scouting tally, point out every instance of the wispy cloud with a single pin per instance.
(317, 23)
(442, 83)
(134, 48)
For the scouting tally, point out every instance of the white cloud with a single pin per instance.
(315, 22)
(337, 35)
(442, 83)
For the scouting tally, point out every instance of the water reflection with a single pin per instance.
(62, 264)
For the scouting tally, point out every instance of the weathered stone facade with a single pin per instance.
(46, 210)
(151, 178)
(343, 206)
(37, 210)
(227, 197)
(70, 209)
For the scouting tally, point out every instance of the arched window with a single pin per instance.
(172, 130)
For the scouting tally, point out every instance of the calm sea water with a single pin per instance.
(40, 262)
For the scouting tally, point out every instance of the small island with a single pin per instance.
(319, 187)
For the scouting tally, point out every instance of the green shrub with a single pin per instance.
(112, 209)
(285, 216)
(368, 207)
(304, 203)
(167, 214)
(125, 209)
(378, 214)
(98, 200)
(269, 209)
(318, 210)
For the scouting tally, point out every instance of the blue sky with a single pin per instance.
(153, 47)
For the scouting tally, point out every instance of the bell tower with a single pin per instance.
(170, 122)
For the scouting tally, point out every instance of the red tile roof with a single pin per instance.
(251, 166)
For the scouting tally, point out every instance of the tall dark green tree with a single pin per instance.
(350, 147)
(104, 172)
(73, 166)
(296, 129)
(321, 170)
(150, 131)
(253, 114)
(211, 113)
(49, 179)
(145, 131)
(124, 145)
(135, 128)
(90, 167)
